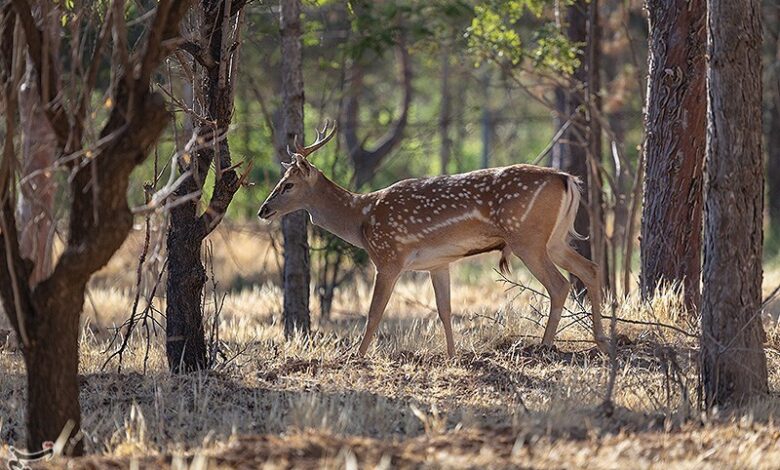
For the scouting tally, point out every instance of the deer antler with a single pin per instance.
(322, 139)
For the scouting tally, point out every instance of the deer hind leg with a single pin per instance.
(383, 287)
(542, 267)
(587, 271)
(440, 278)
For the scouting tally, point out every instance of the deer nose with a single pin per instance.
(263, 212)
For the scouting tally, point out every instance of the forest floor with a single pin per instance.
(500, 403)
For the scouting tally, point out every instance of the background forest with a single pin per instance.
(141, 137)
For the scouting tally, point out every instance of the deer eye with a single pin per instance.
(287, 187)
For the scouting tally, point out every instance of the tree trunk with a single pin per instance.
(52, 364)
(674, 151)
(734, 363)
(570, 154)
(575, 159)
(773, 136)
(45, 316)
(297, 275)
(185, 344)
(598, 236)
(215, 52)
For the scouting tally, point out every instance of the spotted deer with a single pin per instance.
(424, 224)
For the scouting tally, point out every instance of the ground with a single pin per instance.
(501, 402)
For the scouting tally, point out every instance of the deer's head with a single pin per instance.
(296, 186)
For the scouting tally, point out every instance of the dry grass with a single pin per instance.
(310, 404)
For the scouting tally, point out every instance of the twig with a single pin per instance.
(138, 278)
(606, 317)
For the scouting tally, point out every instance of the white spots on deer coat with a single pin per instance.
(429, 216)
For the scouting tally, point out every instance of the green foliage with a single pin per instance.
(498, 29)
(505, 37)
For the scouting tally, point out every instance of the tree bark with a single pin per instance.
(297, 274)
(52, 371)
(734, 365)
(773, 136)
(217, 55)
(45, 316)
(674, 151)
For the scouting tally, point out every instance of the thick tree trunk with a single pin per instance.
(674, 152)
(52, 364)
(734, 363)
(297, 275)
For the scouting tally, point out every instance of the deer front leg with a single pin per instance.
(383, 287)
(440, 279)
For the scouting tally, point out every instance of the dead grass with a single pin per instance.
(310, 404)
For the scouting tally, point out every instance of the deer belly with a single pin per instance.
(446, 251)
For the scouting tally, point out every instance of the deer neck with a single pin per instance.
(338, 211)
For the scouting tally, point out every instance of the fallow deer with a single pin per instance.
(424, 224)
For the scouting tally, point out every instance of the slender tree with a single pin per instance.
(583, 133)
(674, 151)
(773, 136)
(215, 50)
(46, 316)
(297, 274)
(734, 363)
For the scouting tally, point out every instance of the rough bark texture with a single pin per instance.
(216, 54)
(773, 135)
(297, 275)
(366, 162)
(674, 151)
(734, 363)
(46, 316)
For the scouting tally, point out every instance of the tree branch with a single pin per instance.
(54, 108)
(366, 162)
